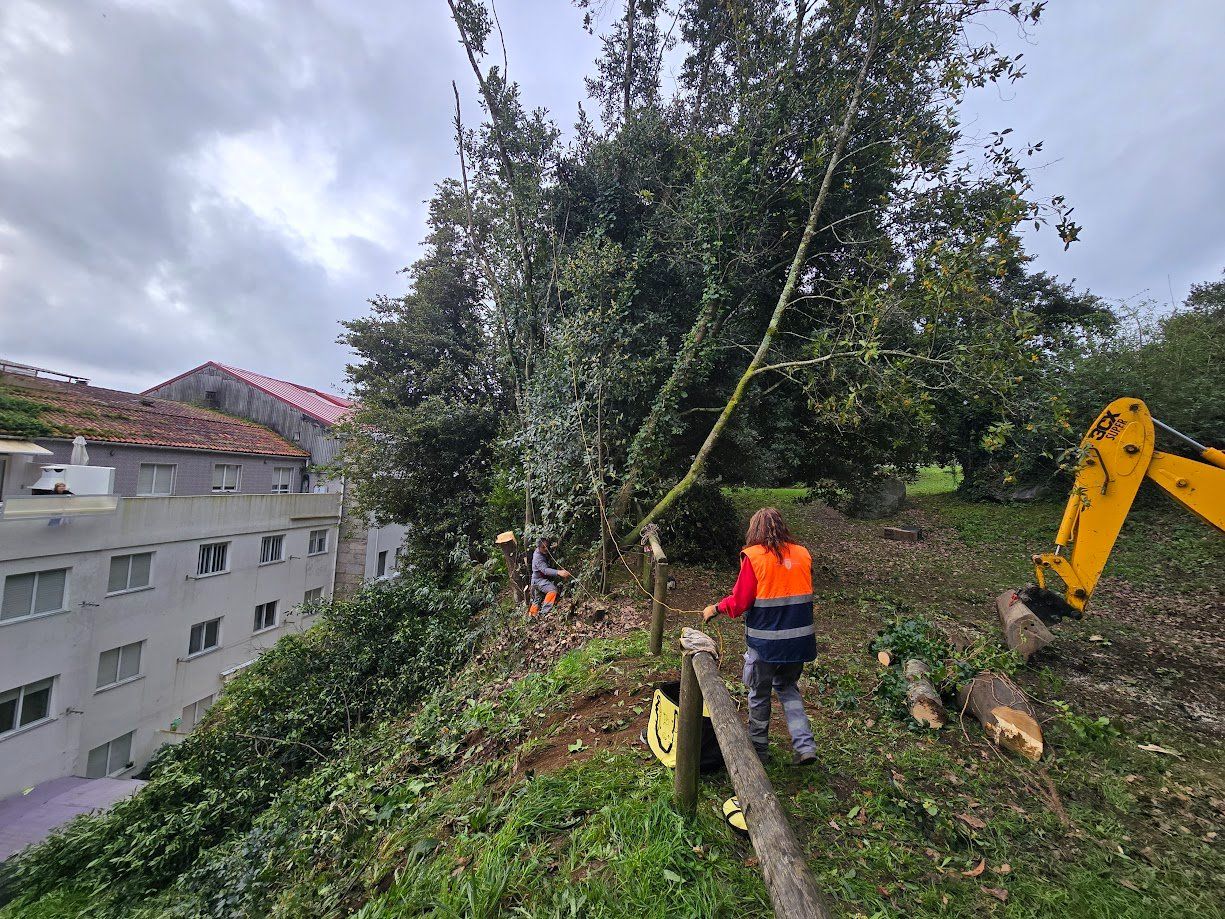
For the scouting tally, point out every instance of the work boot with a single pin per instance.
(804, 759)
(763, 754)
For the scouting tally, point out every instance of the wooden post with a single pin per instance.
(657, 607)
(510, 551)
(648, 569)
(783, 866)
(688, 739)
(659, 591)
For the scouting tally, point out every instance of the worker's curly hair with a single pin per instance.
(767, 528)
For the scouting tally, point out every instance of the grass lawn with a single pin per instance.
(521, 788)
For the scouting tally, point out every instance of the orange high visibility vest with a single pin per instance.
(779, 626)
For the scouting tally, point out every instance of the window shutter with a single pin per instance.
(50, 594)
(121, 752)
(18, 596)
(118, 579)
(96, 767)
(139, 576)
(108, 667)
(129, 661)
(146, 480)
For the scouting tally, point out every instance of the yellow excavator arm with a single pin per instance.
(1117, 454)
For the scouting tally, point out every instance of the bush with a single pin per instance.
(704, 527)
(369, 657)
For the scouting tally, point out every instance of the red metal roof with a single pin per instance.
(64, 410)
(321, 406)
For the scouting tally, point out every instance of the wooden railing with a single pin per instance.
(791, 886)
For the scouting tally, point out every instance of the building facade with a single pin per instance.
(125, 606)
(307, 417)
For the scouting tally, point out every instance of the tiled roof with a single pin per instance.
(112, 416)
(321, 406)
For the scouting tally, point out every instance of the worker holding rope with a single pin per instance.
(543, 575)
(774, 594)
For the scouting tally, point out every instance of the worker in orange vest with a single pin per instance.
(774, 594)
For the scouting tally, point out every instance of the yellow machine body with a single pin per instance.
(1117, 454)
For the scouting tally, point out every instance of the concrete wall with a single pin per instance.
(193, 472)
(67, 644)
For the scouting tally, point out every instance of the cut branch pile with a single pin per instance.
(934, 669)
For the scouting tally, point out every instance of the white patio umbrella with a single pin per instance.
(80, 456)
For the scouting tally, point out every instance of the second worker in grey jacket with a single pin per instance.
(543, 583)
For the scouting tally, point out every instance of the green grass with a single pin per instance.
(934, 480)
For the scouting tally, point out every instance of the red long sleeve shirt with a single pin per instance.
(743, 594)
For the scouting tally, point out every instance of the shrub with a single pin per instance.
(369, 657)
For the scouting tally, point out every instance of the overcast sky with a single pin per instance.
(202, 179)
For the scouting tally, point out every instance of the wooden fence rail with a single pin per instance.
(783, 866)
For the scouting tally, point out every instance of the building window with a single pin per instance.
(193, 714)
(205, 636)
(226, 476)
(25, 705)
(214, 559)
(34, 594)
(129, 572)
(119, 664)
(155, 479)
(110, 758)
(382, 564)
(318, 542)
(272, 549)
(282, 480)
(312, 596)
(265, 616)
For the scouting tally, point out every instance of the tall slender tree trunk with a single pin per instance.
(784, 298)
(627, 82)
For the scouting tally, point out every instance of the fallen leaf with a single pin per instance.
(1003, 869)
(976, 870)
(1097, 638)
(1154, 748)
(752, 861)
(971, 821)
(577, 746)
(998, 892)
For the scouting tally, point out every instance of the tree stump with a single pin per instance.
(921, 697)
(514, 564)
(884, 658)
(1023, 630)
(1004, 712)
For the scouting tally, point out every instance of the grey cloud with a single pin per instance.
(227, 180)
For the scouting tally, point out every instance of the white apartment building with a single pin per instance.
(308, 417)
(182, 551)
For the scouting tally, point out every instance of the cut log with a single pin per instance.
(1004, 712)
(1023, 630)
(884, 658)
(902, 534)
(921, 697)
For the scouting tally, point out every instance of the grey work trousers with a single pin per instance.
(762, 678)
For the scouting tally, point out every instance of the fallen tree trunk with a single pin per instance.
(1024, 632)
(1004, 712)
(921, 697)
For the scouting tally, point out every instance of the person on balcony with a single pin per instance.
(774, 594)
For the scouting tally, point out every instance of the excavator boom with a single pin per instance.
(1118, 453)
